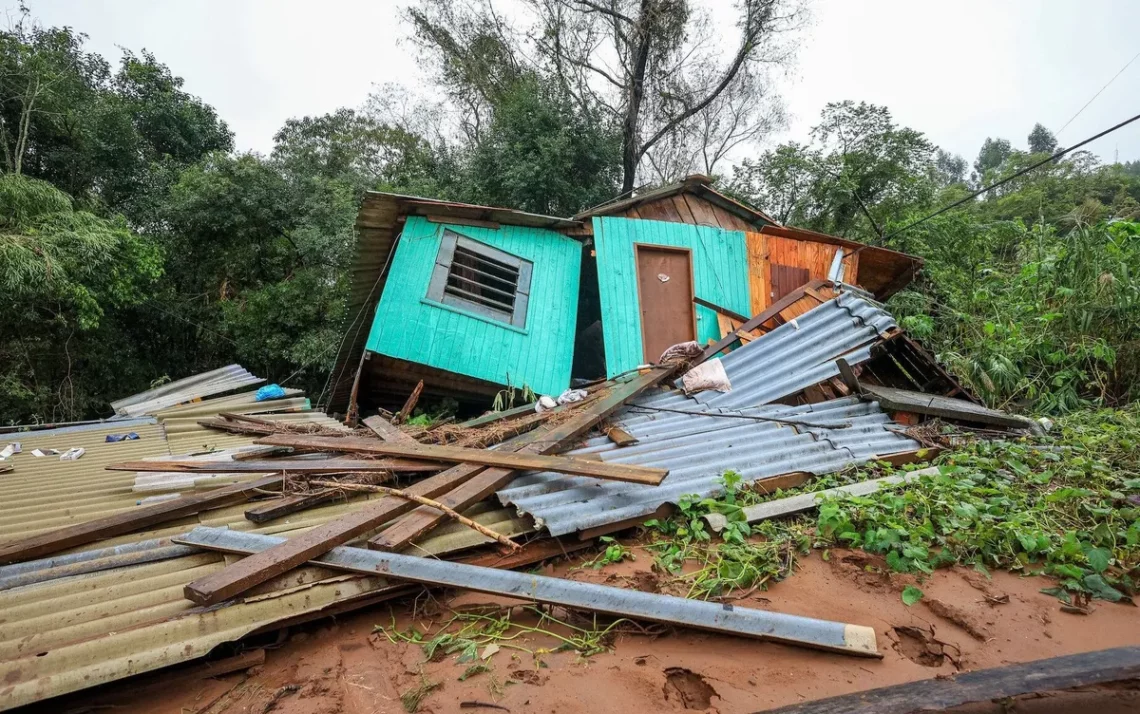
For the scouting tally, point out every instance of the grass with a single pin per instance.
(466, 633)
(1065, 506)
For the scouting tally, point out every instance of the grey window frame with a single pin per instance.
(437, 288)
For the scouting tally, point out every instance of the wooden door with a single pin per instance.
(665, 293)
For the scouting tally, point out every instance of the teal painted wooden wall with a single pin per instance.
(410, 327)
(720, 275)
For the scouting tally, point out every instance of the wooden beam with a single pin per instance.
(518, 461)
(132, 520)
(722, 310)
(423, 520)
(388, 431)
(949, 692)
(406, 411)
(292, 466)
(263, 566)
(492, 417)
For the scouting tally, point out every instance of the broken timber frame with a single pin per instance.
(291, 466)
(714, 617)
(518, 461)
(388, 431)
(463, 485)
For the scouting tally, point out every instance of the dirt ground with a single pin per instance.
(965, 621)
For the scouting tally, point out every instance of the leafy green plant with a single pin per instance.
(1064, 507)
(614, 552)
(911, 595)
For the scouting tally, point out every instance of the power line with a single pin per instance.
(1007, 179)
(1086, 106)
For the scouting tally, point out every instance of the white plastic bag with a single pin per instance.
(705, 376)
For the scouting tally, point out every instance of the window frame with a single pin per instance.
(441, 271)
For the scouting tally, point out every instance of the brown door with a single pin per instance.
(786, 278)
(665, 291)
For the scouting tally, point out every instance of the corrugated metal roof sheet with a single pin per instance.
(87, 617)
(697, 448)
(218, 381)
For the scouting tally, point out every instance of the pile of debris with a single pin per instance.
(330, 517)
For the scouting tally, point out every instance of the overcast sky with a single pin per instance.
(957, 71)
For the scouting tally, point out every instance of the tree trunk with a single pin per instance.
(630, 146)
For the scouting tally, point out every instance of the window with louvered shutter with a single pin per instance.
(473, 276)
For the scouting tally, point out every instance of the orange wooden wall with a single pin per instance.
(764, 250)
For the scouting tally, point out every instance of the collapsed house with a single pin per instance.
(202, 514)
(470, 299)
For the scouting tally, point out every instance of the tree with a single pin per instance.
(860, 171)
(539, 155)
(1042, 141)
(993, 154)
(65, 275)
(951, 168)
(648, 66)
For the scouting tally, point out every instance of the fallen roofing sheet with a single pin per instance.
(715, 617)
(798, 354)
(697, 449)
(223, 379)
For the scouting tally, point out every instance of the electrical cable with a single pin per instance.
(1007, 179)
(1086, 106)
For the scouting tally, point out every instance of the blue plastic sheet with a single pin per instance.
(270, 391)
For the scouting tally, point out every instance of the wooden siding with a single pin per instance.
(688, 208)
(410, 327)
(720, 275)
(766, 250)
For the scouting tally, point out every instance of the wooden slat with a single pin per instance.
(459, 455)
(423, 520)
(256, 569)
(132, 520)
(943, 693)
(492, 417)
(388, 431)
(732, 314)
(293, 466)
(620, 436)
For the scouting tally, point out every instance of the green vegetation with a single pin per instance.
(1065, 506)
(474, 636)
(136, 244)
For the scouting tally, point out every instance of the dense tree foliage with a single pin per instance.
(136, 244)
(1029, 293)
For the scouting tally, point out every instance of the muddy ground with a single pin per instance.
(965, 621)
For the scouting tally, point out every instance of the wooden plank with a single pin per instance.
(948, 692)
(731, 314)
(293, 466)
(423, 520)
(388, 431)
(493, 417)
(132, 520)
(256, 569)
(756, 245)
(620, 436)
(807, 501)
(409, 405)
(461, 455)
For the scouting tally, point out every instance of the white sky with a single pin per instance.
(957, 71)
